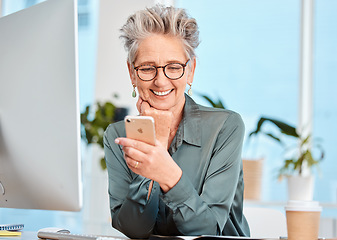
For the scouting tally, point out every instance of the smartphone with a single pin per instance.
(140, 128)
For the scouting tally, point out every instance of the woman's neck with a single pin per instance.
(177, 117)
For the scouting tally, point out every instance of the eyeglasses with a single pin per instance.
(172, 71)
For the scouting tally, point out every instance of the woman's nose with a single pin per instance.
(161, 78)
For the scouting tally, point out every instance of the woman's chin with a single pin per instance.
(161, 105)
(161, 102)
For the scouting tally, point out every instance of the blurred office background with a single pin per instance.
(249, 58)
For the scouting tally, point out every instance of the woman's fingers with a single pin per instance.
(138, 104)
(153, 162)
(134, 154)
(131, 143)
(132, 163)
(137, 150)
(145, 108)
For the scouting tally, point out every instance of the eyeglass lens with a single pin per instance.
(172, 71)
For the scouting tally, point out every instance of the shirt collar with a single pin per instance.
(192, 122)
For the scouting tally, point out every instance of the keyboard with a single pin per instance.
(71, 236)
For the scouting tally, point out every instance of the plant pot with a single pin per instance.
(252, 177)
(300, 188)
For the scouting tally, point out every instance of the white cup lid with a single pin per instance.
(311, 206)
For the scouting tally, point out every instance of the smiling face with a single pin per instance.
(162, 93)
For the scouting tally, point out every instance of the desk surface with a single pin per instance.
(24, 236)
(33, 236)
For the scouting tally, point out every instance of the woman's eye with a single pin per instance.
(173, 67)
(147, 69)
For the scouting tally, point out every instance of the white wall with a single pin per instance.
(112, 76)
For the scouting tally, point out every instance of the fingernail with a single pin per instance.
(116, 140)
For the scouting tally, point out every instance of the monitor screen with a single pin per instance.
(39, 108)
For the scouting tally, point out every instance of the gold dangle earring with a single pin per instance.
(134, 93)
(189, 92)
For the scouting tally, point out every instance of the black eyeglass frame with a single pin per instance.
(163, 67)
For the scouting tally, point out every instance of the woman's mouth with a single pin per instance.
(158, 93)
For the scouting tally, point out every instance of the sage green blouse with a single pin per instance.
(208, 198)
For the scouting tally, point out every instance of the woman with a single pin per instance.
(190, 182)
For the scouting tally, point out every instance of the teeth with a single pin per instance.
(162, 93)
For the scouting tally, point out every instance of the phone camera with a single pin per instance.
(128, 120)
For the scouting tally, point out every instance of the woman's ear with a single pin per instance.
(191, 69)
(131, 73)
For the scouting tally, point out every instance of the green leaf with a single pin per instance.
(273, 137)
(103, 163)
(214, 104)
(305, 140)
(282, 126)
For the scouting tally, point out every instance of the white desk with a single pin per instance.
(33, 236)
(24, 236)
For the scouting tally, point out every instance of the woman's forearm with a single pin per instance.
(137, 214)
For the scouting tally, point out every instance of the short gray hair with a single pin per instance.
(160, 20)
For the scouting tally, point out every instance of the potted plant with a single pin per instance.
(298, 164)
(96, 118)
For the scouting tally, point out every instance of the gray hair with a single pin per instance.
(160, 20)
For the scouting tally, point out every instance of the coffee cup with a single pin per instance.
(303, 219)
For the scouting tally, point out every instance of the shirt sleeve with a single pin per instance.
(131, 212)
(207, 213)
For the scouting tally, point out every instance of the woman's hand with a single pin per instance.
(153, 162)
(162, 120)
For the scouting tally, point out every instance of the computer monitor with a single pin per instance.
(39, 108)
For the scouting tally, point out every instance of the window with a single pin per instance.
(325, 98)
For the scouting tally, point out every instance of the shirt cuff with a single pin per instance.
(138, 190)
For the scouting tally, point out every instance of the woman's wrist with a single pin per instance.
(172, 180)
